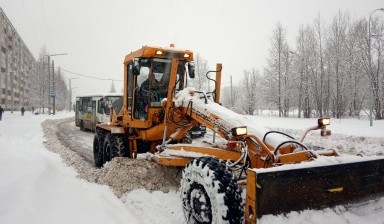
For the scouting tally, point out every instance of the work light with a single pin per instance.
(239, 131)
(323, 121)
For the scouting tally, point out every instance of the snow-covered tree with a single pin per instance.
(62, 95)
(39, 82)
(200, 82)
(251, 91)
(274, 72)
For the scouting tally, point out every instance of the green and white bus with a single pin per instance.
(94, 109)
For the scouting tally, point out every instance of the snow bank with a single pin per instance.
(36, 187)
(121, 174)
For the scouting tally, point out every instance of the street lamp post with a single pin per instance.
(49, 80)
(70, 93)
(370, 63)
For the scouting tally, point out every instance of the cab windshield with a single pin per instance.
(153, 82)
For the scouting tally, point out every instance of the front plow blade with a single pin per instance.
(311, 188)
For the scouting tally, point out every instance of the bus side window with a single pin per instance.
(80, 106)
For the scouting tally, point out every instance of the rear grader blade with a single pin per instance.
(283, 191)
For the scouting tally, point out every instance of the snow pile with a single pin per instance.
(121, 174)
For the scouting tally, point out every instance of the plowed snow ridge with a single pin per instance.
(121, 174)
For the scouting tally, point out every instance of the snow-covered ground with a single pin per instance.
(37, 187)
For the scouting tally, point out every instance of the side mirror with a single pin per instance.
(191, 70)
(136, 67)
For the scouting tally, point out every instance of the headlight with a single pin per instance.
(239, 131)
(323, 121)
(159, 52)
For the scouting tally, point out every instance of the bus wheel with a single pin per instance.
(82, 126)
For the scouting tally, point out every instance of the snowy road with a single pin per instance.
(72, 138)
(37, 187)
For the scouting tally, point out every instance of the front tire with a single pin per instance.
(210, 194)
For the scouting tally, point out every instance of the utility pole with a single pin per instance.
(49, 79)
(49, 86)
(53, 94)
(231, 93)
(70, 96)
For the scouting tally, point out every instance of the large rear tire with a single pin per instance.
(98, 148)
(115, 146)
(210, 193)
(119, 148)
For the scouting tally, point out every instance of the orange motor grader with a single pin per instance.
(278, 172)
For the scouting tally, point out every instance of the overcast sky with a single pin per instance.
(98, 34)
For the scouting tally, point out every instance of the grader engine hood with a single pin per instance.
(282, 191)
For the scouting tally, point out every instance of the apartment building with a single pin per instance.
(17, 65)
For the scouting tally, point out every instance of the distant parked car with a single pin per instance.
(197, 131)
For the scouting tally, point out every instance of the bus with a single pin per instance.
(91, 110)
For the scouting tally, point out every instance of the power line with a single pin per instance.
(88, 76)
(45, 18)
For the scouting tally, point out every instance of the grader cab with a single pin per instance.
(278, 172)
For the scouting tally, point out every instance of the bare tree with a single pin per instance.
(251, 91)
(337, 46)
(303, 54)
(355, 83)
(39, 82)
(320, 82)
(61, 91)
(274, 71)
(201, 68)
(371, 61)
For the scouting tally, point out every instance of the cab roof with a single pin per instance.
(159, 52)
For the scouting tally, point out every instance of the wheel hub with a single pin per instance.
(201, 207)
